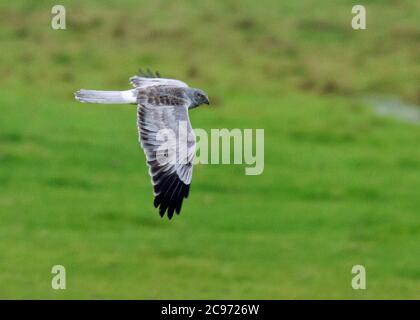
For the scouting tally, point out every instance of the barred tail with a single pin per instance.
(106, 97)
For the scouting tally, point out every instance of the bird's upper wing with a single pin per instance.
(168, 142)
(148, 79)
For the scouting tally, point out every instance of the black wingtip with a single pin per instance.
(149, 73)
(170, 212)
(156, 201)
(171, 192)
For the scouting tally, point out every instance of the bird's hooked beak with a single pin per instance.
(207, 100)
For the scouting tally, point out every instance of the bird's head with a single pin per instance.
(198, 97)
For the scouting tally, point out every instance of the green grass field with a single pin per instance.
(340, 185)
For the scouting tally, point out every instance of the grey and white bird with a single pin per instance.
(162, 104)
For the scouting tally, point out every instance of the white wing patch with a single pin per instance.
(145, 82)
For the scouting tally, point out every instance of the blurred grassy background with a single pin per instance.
(340, 185)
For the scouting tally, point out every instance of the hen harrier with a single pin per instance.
(162, 104)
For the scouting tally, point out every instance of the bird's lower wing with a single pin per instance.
(168, 142)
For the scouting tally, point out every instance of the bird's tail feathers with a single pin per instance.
(106, 97)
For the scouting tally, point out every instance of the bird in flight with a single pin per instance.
(162, 105)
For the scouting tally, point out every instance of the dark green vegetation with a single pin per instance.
(340, 186)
